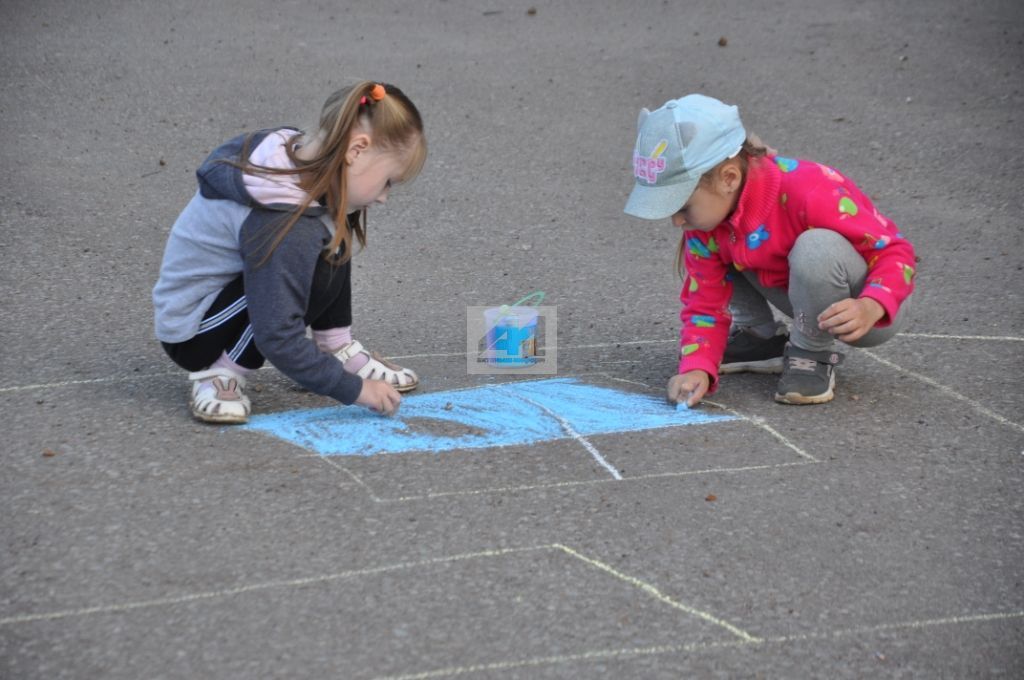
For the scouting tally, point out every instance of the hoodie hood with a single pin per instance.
(220, 180)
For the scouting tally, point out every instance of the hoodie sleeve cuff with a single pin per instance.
(348, 389)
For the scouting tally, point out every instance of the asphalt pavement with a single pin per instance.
(880, 535)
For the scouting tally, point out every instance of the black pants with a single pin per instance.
(226, 328)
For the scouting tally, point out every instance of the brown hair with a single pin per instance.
(752, 147)
(394, 124)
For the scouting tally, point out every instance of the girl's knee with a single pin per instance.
(825, 256)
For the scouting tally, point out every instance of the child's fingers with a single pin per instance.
(688, 387)
(696, 394)
(692, 390)
(675, 389)
(843, 306)
(855, 334)
(389, 402)
(837, 315)
(843, 327)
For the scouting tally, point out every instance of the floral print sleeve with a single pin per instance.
(705, 314)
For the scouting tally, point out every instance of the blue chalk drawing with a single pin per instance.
(515, 413)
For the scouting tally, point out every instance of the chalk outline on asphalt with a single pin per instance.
(603, 654)
(134, 377)
(754, 420)
(945, 389)
(757, 421)
(326, 578)
(571, 431)
(745, 639)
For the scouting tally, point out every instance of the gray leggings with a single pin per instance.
(823, 268)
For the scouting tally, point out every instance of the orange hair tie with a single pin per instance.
(377, 93)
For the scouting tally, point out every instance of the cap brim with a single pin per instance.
(658, 203)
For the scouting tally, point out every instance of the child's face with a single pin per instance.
(370, 175)
(705, 209)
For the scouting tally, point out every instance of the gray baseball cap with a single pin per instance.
(675, 145)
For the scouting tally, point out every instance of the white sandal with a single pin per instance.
(379, 368)
(217, 396)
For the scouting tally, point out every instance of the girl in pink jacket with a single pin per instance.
(760, 229)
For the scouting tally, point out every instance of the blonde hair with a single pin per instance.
(394, 124)
(752, 147)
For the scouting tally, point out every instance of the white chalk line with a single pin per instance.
(903, 625)
(644, 587)
(658, 595)
(89, 381)
(572, 483)
(755, 420)
(163, 374)
(353, 476)
(571, 431)
(621, 343)
(596, 655)
(949, 391)
(763, 424)
(941, 336)
(696, 647)
(255, 587)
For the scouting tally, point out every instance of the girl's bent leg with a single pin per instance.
(330, 317)
(218, 356)
(824, 269)
(225, 329)
(330, 298)
(748, 305)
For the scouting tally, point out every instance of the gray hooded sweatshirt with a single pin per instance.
(225, 231)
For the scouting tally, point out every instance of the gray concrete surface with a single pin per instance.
(881, 535)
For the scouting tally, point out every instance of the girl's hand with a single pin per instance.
(380, 397)
(690, 386)
(851, 318)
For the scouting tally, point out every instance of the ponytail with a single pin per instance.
(394, 124)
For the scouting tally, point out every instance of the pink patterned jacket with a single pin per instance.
(782, 198)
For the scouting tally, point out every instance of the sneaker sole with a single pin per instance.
(765, 366)
(797, 399)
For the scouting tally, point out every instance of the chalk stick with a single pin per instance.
(681, 406)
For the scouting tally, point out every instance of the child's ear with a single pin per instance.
(358, 144)
(730, 178)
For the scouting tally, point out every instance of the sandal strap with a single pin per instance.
(376, 369)
(387, 362)
(350, 350)
(211, 373)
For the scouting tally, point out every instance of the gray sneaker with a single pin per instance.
(746, 352)
(807, 377)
